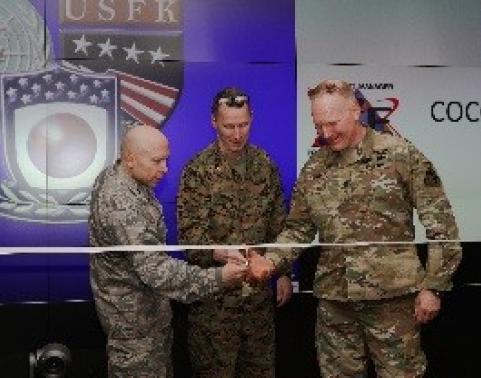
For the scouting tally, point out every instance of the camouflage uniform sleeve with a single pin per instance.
(299, 227)
(436, 215)
(175, 279)
(277, 215)
(193, 216)
(169, 277)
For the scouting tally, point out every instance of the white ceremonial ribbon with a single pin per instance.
(179, 247)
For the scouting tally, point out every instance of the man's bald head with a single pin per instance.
(141, 138)
(144, 154)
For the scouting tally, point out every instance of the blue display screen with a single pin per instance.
(211, 45)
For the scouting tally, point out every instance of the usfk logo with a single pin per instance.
(139, 41)
(59, 129)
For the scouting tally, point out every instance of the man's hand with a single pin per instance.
(260, 269)
(233, 273)
(229, 255)
(426, 306)
(284, 290)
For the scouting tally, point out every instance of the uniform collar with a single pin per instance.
(221, 156)
(130, 182)
(352, 155)
(222, 163)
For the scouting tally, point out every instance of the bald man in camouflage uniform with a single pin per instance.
(230, 193)
(132, 289)
(363, 187)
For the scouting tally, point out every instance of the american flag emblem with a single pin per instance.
(146, 101)
(149, 68)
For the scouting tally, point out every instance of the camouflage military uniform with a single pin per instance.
(132, 289)
(224, 202)
(368, 193)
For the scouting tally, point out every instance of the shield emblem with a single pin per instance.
(60, 129)
(140, 42)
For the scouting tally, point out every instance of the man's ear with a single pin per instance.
(213, 121)
(129, 159)
(356, 109)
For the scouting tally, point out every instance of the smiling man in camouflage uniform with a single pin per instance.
(230, 193)
(132, 289)
(363, 187)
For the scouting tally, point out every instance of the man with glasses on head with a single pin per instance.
(362, 188)
(230, 194)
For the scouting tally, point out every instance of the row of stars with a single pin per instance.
(48, 78)
(107, 48)
(49, 95)
(94, 99)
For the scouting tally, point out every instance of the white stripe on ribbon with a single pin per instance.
(173, 248)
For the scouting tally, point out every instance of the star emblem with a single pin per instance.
(36, 88)
(106, 49)
(133, 53)
(94, 99)
(23, 82)
(158, 56)
(11, 92)
(26, 99)
(82, 44)
(59, 85)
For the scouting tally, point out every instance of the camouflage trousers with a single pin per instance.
(137, 354)
(229, 341)
(347, 333)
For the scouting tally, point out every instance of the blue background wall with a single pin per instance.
(249, 44)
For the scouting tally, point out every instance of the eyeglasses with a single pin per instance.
(233, 101)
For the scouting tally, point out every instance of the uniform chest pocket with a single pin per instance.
(222, 211)
(222, 203)
(155, 218)
(324, 198)
(329, 190)
(258, 197)
(386, 186)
